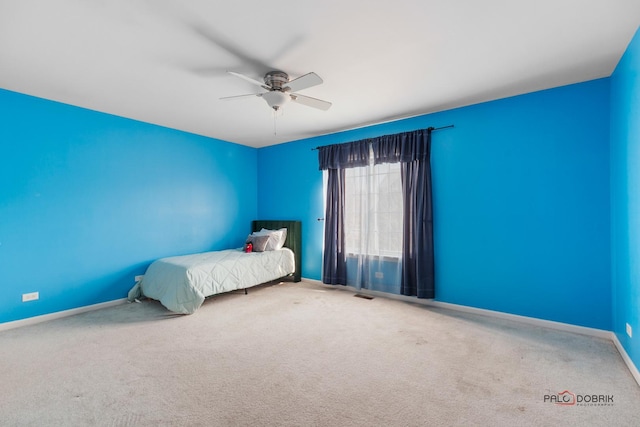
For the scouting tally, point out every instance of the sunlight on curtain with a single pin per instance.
(373, 227)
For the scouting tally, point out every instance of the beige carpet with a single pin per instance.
(305, 355)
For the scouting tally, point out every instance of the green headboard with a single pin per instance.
(293, 241)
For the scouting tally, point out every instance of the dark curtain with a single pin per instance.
(334, 263)
(402, 147)
(342, 156)
(413, 151)
(417, 246)
(335, 159)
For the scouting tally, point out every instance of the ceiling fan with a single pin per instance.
(280, 90)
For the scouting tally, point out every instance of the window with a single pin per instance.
(373, 210)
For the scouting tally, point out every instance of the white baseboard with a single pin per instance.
(58, 315)
(627, 360)
(566, 327)
(559, 326)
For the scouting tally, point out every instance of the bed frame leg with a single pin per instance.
(245, 291)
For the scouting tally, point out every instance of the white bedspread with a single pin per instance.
(181, 283)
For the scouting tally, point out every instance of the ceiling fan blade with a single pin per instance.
(311, 102)
(220, 41)
(226, 98)
(249, 79)
(303, 82)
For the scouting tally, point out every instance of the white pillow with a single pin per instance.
(283, 236)
(276, 238)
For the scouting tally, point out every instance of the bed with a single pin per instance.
(181, 283)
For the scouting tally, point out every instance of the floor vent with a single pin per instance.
(363, 296)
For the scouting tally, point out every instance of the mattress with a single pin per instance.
(181, 283)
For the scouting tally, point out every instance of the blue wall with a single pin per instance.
(521, 195)
(521, 198)
(290, 187)
(625, 197)
(88, 200)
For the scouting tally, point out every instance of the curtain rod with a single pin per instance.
(441, 127)
(430, 129)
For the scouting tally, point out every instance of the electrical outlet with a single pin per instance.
(379, 275)
(629, 331)
(30, 297)
(138, 278)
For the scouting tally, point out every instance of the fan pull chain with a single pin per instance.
(275, 128)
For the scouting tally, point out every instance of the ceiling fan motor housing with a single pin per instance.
(276, 79)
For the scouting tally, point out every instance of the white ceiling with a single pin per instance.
(164, 61)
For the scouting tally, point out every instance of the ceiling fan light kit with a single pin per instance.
(276, 99)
